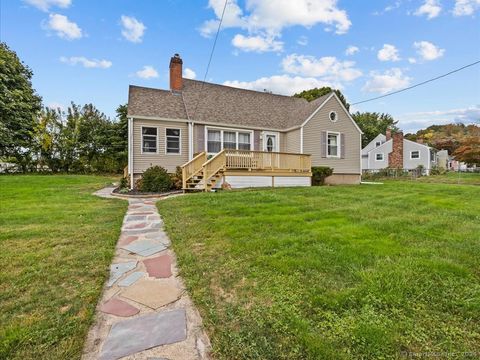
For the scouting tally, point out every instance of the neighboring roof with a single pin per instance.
(222, 104)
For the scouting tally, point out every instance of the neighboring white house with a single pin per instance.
(387, 151)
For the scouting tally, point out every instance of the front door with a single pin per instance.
(271, 143)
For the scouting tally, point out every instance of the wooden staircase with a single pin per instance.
(201, 174)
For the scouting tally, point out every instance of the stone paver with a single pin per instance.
(131, 279)
(119, 307)
(152, 293)
(117, 270)
(131, 336)
(159, 267)
(144, 247)
(144, 285)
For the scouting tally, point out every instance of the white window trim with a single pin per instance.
(336, 116)
(141, 140)
(179, 139)
(222, 129)
(412, 158)
(264, 137)
(382, 159)
(339, 145)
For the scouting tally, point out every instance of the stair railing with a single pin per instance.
(213, 166)
(193, 167)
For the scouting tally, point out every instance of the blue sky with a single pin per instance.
(90, 51)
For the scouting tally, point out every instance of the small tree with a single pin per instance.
(373, 123)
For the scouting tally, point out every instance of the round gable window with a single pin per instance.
(333, 116)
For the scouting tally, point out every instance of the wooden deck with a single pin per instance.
(202, 173)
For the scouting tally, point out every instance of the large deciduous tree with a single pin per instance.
(373, 123)
(315, 93)
(19, 105)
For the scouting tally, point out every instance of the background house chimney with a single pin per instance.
(420, 140)
(388, 134)
(395, 158)
(176, 79)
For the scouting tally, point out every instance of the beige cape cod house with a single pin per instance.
(246, 138)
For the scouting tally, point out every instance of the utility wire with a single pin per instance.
(419, 84)
(210, 59)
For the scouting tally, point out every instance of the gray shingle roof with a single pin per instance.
(222, 104)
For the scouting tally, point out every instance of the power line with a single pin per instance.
(419, 84)
(210, 59)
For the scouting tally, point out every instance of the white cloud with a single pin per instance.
(45, 5)
(389, 8)
(390, 80)
(420, 120)
(148, 72)
(388, 53)
(273, 16)
(412, 60)
(189, 73)
(351, 50)
(328, 67)
(87, 63)
(264, 20)
(132, 29)
(465, 7)
(282, 84)
(302, 40)
(63, 27)
(256, 43)
(428, 51)
(430, 8)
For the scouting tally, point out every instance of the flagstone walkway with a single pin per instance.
(145, 312)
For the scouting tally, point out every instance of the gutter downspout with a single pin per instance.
(190, 130)
(130, 151)
(301, 140)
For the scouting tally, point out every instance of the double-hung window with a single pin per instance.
(244, 141)
(415, 154)
(214, 141)
(333, 145)
(172, 141)
(218, 139)
(229, 140)
(379, 157)
(149, 139)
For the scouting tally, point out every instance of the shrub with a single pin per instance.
(123, 183)
(319, 173)
(155, 179)
(177, 179)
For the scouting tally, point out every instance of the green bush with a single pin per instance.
(123, 183)
(155, 179)
(177, 179)
(319, 173)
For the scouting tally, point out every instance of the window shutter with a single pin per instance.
(342, 146)
(323, 144)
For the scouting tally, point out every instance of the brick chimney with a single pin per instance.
(176, 79)
(395, 158)
(388, 134)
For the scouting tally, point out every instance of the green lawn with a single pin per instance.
(347, 272)
(453, 178)
(57, 241)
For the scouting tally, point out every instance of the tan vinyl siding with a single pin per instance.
(198, 138)
(291, 141)
(321, 122)
(141, 162)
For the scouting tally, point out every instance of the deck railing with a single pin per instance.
(261, 160)
(193, 167)
(214, 165)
